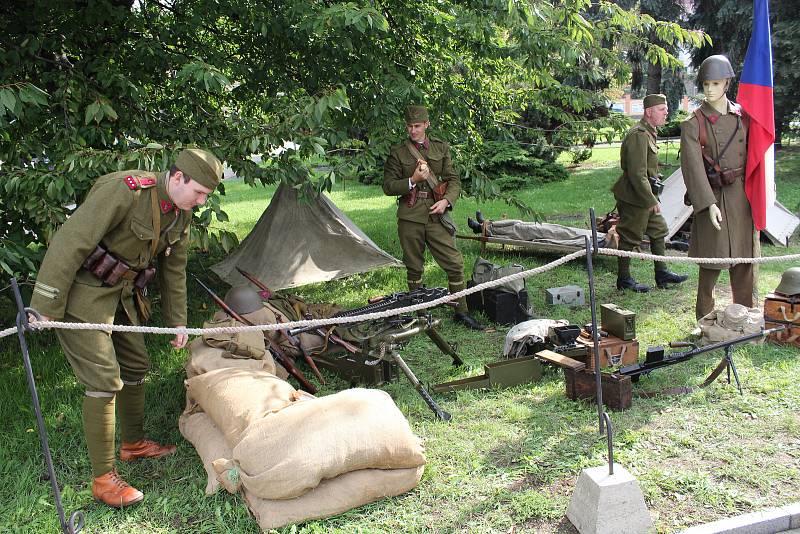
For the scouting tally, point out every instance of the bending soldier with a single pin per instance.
(420, 172)
(636, 193)
(713, 157)
(95, 271)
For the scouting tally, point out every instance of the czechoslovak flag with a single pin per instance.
(755, 97)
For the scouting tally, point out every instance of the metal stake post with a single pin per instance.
(591, 249)
(75, 523)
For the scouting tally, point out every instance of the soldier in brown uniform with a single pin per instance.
(723, 223)
(140, 219)
(421, 219)
(637, 199)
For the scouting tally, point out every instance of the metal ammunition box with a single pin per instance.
(567, 295)
(354, 369)
(618, 322)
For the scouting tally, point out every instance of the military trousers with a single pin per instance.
(741, 285)
(415, 237)
(104, 361)
(635, 222)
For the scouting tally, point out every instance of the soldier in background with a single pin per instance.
(423, 221)
(713, 157)
(636, 193)
(95, 271)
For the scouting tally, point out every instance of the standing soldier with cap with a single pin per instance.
(636, 193)
(713, 157)
(133, 225)
(420, 172)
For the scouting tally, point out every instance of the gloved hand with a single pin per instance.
(715, 215)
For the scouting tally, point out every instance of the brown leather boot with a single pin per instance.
(115, 492)
(144, 448)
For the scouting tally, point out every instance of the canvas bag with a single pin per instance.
(204, 358)
(486, 271)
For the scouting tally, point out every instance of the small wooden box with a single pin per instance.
(617, 389)
(783, 310)
(613, 350)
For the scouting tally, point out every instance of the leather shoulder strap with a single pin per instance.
(701, 131)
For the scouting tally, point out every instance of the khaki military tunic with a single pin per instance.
(639, 160)
(121, 218)
(416, 227)
(735, 239)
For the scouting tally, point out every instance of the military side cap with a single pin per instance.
(201, 166)
(416, 114)
(654, 100)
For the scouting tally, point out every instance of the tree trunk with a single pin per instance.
(653, 78)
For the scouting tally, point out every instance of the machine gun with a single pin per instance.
(656, 357)
(380, 341)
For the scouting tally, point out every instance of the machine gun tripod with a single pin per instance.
(381, 340)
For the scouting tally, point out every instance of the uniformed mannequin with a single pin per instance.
(124, 212)
(421, 220)
(723, 223)
(637, 203)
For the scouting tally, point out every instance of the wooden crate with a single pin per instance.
(783, 310)
(613, 351)
(617, 389)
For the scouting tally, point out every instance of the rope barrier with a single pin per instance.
(105, 327)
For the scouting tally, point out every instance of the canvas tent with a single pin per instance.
(296, 243)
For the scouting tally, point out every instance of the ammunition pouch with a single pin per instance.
(717, 178)
(410, 198)
(656, 185)
(110, 269)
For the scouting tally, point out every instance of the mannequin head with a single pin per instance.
(715, 75)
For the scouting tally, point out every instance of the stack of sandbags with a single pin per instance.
(293, 456)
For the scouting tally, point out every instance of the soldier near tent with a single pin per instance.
(713, 157)
(636, 193)
(133, 226)
(415, 171)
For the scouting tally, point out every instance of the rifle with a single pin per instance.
(656, 358)
(266, 293)
(275, 350)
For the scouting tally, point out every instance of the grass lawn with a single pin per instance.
(509, 459)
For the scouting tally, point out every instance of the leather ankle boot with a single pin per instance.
(115, 492)
(144, 448)
(631, 283)
(468, 321)
(474, 225)
(479, 217)
(664, 278)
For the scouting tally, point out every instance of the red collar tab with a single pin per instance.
(425, 144)
(713, 119)
(167, 206)
(139, 182)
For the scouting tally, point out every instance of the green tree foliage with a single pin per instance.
(730, 23)
(92, 86)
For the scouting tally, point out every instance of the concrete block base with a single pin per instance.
(608, 504)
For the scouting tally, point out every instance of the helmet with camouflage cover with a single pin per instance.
(716, 67)
(243, 300)
(790, 282)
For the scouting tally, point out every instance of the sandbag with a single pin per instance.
(291, 451)
(729, 323)
(235, 398)
(202, 433)
(334, 496)
(203, 358)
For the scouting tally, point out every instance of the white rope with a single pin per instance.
(104, 327)
(699, 261)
